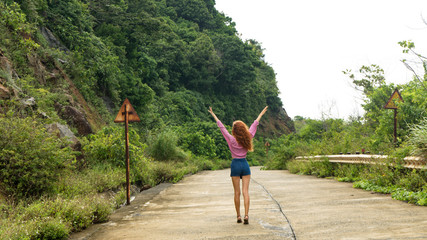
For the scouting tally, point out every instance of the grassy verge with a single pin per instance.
(407, 185)
(82, 199)
(85, 198)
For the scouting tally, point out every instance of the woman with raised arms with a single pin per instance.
(240, 142)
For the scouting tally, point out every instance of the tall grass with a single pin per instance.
(418, 139)
(53, 218)
(164, 146)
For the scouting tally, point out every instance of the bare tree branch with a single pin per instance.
(416, 75)
(418, 55)
(425, 22)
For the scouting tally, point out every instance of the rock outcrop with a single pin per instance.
(52, 40)
(276, 124)
(62, 131)
(7, 82)
(4, 92)
(74, 118)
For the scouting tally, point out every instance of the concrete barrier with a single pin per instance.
(409, 162)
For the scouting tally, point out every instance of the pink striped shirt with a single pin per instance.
(236, 150)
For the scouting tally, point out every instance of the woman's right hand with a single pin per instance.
(262, 113)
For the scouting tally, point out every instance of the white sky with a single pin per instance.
(310, 42)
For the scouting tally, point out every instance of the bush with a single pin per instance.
(348, 172)
(402, 194)
(108, 146)
(18, 230)
(299, 167)
(105, 153)
(380, 174)
(415, 180)
(199, 144)
(31, 159)
(98, 179)
(52, 229)
(53, 218)
(163, 172)
(418, 198)
(120, 198)
(206, 164)
(101, 209)
(141, 171)
(203, 139)
(165, 147)
(418, 139)
(282, 151)
(322, 168)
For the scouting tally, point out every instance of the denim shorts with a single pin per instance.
(239, 167)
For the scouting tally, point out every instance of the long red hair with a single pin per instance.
(242, 135)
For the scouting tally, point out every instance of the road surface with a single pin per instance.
(283, 206)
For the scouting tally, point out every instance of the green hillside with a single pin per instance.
(171, 59)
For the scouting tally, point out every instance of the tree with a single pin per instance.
(372, 77)
(205, 64)
(408, 46)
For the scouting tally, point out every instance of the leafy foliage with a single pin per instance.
(143, 50)
(371, 133)
(30, 158)
(164, 147)
(402, 184)
(418, 139)
(55, 218)
(108, 147)
(203, 139)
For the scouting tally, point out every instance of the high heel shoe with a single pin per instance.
(239, 219)
(246, 220)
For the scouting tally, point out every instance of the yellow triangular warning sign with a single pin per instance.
(133, 117)
(395, 97)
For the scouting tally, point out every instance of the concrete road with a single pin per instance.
(283, 206)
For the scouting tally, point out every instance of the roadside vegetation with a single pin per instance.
(371, 133)
(50, 192)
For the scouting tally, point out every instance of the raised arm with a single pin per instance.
(224, 131)
(262, 113)
(213, 114)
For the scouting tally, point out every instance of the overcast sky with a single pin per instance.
(310, 42)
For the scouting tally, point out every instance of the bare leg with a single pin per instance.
(245, 189)
(236, 186)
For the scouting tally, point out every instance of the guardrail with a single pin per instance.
(409, 162)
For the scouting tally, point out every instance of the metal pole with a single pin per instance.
(266, 148)
(127, 154)
(395, 126)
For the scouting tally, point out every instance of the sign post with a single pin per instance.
(391, 104)
(267, 144)
(127, 114)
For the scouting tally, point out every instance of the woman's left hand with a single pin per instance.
(213, 114)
